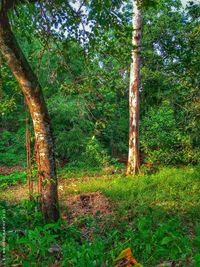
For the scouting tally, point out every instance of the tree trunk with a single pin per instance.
(133, 165)
(34, 98)
(28, 159)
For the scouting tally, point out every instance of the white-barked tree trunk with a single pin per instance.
(133, 166)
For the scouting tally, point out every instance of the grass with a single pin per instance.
(157, 216)
(170, 190)
(82, 171)
(12, 179)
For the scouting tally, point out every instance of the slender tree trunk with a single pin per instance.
(34, 98)
(28, 159)
(133, 165)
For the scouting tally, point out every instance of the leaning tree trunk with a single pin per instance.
(133, 157)
(34, 97)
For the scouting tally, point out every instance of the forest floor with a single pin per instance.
(157, 216)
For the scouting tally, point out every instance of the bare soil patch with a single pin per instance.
(93, 203)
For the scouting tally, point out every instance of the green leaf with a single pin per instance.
(166, 240)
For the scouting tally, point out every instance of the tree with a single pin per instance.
(170, 83)
(133, 156)
(32, 91)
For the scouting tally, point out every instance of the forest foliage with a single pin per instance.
(81, 54)
(85, 83)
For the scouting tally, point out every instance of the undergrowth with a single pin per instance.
(157, 216)
(12, 179)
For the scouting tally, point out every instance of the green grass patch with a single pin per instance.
(157, 216)
(12, 179)
(171, 190)
(83, 170)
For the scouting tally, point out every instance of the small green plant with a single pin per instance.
(12, 179)
(94, 155)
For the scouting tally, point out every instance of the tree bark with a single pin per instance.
(32, 91)
(133, 165)
(28, 159)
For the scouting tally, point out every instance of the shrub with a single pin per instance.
(163, 141)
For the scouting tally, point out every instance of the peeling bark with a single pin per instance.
(133, 157)
(32, 91)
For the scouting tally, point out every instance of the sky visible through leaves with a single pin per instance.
(185, 2)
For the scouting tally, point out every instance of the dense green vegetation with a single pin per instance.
(156, 215)
(87, 91)
(12, 179)
(81, 57)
